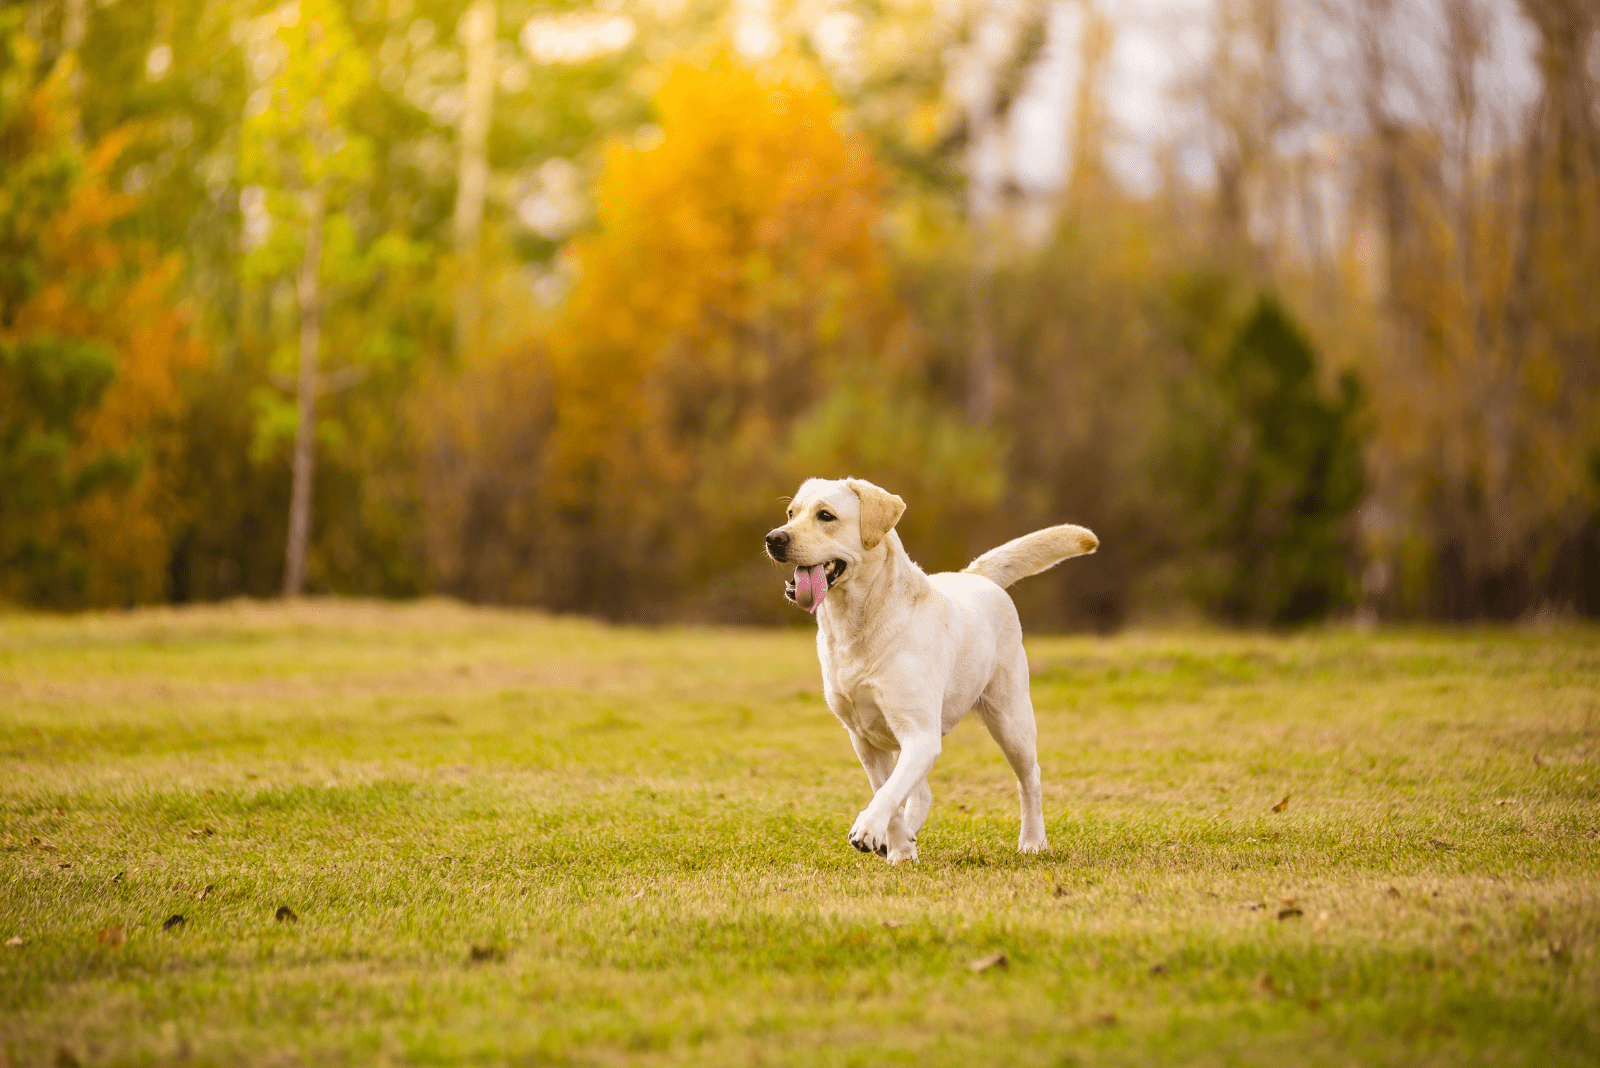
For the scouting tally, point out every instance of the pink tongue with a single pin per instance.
(810, 587)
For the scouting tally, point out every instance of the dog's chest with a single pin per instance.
(854, 702)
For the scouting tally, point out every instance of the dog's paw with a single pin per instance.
(908, 851)
(902, 843)
(870, 835)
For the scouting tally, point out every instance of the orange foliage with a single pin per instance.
(737, 265)
(100, 285)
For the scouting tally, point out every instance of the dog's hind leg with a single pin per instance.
(1006, 709)
(902, 838)
(917, 806)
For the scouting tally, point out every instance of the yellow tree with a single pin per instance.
(736, 266)
(734, 328)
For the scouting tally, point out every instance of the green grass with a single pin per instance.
(643, 834)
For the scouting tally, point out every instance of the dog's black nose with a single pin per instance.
(778, 543)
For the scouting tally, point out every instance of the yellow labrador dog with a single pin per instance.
(906, 655)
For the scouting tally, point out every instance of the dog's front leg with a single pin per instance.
(879, 765)
(872, 830)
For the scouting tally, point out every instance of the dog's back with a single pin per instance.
(1033, 553)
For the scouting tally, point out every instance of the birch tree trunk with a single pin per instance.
(74, 27)
(472, 179)
(983, 194)
(305, 450)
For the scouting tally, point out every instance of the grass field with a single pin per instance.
(508, 839)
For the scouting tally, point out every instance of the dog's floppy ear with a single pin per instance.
(880, 511)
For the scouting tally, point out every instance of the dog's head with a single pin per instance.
(831, 525)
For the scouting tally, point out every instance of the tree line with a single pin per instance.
(549, 304)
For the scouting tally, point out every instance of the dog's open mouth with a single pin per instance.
(811, 584)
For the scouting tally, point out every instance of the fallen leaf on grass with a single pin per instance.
(285, 914)
(639, 896)
(114, 936)
(1281, 805)
(1506, 801)
(1253, 906)
(202, 894)
(1439, 845)
(201, 832)
(1158, 969)
(16, 940)
(486, 952)
(39, 843)
(892, 924)
(983, 964)
(1392, 892)
(1265, 986)
(117, 878)
(175, 920)
(1061, 891)
(1106, 1019)
(63, 867)
(1289, 912)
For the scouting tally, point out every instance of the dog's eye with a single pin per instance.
(826, 517)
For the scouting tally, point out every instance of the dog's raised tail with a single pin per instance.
(1033, 553)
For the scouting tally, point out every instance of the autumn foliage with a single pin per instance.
(737, 273)
(1332, 355)
(92, 350)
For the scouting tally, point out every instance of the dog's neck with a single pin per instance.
(885, 583)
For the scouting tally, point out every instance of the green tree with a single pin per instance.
(1275, 477)
(48, 384)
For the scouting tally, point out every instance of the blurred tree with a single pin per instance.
(1091, 366)
(301, 149)
(1274, 477)
(733, 331)
(936, 90)
(90, 350)
(392, 314)
(47, 385)
(735, 266)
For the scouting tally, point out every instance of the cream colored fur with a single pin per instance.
(1033, 553)
(906, 655)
